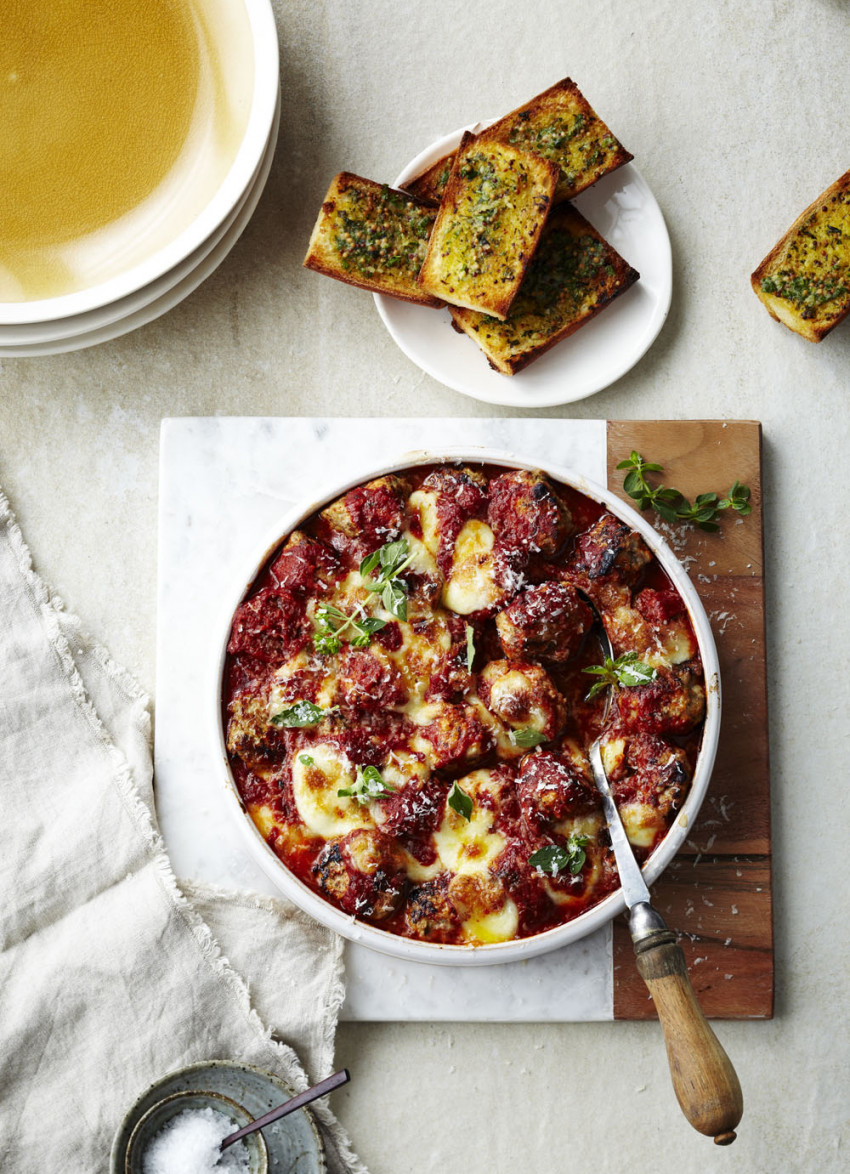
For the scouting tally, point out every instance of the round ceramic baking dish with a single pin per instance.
(243, 36)
(610, 906)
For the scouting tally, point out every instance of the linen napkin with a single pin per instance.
(111, 972)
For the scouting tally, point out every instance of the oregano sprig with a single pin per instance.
(332, 624)
(553, 859)
(672, 504)
(627, 670)
(389, 561)
(368, 784)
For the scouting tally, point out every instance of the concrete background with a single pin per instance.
(736, 115)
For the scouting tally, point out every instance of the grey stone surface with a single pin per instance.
(735, 112)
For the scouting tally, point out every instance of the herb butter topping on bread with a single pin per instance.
(804, 281)
(372, 236)
(575, 273)
(495, 204)
(561, 126)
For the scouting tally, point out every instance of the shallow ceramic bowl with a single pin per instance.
(222, 201)
(159, 1115)
(292, 1143)
(610, 906)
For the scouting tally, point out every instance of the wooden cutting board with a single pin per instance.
(717, 892)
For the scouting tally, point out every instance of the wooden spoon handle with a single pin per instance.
(706, 1084)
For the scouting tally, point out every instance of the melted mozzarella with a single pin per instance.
(315, 787)
(470, 846)
(642, 823)
(471, 585)
(499, 926)
(424, 504)
(515, 683)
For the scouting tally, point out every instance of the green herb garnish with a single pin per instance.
(526, 738)
(672, 505)
(368, 784)
(306, 760)
(470, 647)
(301, 714)
(460, 802)
(389, 561)
(332, 624)
(627, 670)
(554, 859)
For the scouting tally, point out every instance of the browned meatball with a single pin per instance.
(367, 682)
(364, 873)
(271, 626)
(523, 696)
(651, 770)
(553, 786)
(375, 511)
(305, 565)
(455, 735)
(546, 622)
(671, 704)
(476, 894)
(527, 515)
(608, 555)
(430, 914)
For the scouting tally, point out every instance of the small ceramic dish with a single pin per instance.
(163, 1112)
(293, 1144)
(597, 915)
(253, 53)
(155, 300)
(621, 207)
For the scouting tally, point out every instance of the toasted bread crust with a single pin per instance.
(372, 236)
(488, 225)
(561, 126)
(574, 276)
(804, 281)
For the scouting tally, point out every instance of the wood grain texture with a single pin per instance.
(717, 893)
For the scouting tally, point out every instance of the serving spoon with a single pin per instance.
(297, 1102)
(704, 1080)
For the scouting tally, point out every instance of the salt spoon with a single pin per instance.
(303, 1098)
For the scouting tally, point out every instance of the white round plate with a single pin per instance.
(207, 260)
(594, 917)
(621, 207)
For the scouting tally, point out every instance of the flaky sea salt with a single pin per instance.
(189, 1143)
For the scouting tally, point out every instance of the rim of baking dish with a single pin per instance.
(598, 915)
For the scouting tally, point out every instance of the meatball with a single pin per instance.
(271, 626)
(430, 914)
(546, 622)
(657, 607)
(526, 514)
(364, 872)
(476, 894)
(455, 735)
(305, 565)
(647, 769)
(553, 786)
(368, 682)
(374, 512)
(523, 696)
(251, 734)
(607, 557)
(671, 704)
(417, 809)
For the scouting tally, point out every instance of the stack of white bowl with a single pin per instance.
(148, 288)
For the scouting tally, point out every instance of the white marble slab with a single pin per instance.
(224, 482)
